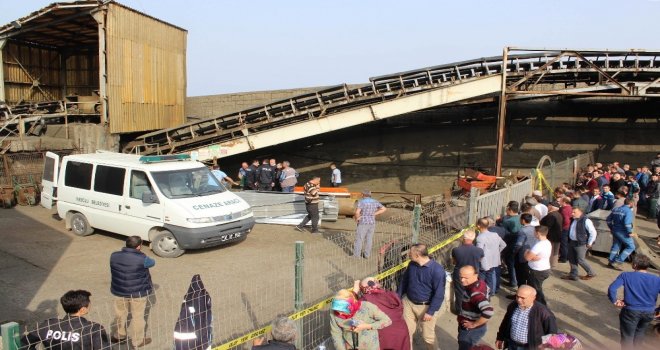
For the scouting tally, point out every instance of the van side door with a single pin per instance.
(49, 180)
(142, 214)
(107, 197)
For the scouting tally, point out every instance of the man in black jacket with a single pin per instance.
(71, 332)
(252, 175)
(265, 176)
(526, 321)
(131, 284)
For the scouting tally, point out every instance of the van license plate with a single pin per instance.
(230, 236)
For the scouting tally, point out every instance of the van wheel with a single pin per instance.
(166, 246)
(80, 225)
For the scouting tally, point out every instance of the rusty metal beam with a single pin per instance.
(501, 120)
(567, 92)
(643, 88)
(536, 71)
(607, 76)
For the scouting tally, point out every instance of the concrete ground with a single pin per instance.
(39, 261)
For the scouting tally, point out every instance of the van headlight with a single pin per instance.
(247, 211)
(200, 220)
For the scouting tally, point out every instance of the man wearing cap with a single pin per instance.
(365, 217)
(554, 222)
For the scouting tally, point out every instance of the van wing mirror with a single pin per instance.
(148, 197)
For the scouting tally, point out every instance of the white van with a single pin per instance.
(171, 201)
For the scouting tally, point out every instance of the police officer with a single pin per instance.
(265, 176)
(71, 332)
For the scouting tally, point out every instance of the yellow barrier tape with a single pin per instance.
(542, 181)
(321, 305)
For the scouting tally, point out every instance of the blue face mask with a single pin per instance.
(340, 305)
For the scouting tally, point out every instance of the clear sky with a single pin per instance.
(236, 46)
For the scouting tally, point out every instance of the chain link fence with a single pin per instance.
(566, 171)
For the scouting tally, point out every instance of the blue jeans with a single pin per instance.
(633, 324)
(490, 277)
(621, 240)
(468, 338)
(287, 189)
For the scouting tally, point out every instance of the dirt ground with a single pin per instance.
(39, 261)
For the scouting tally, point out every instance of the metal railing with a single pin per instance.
(494, 203)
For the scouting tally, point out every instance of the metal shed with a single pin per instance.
(132, 64)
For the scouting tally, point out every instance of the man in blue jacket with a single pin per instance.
(620, 222)
(640, 294)
(131, 285)
(422, 289)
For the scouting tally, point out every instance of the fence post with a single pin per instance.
(417, 215)
(11, 339)
(472, 206)
(553, 180)
(298, 293)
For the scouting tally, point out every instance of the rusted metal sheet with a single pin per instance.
(146, 72)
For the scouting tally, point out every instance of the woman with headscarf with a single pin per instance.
(394, 336)
(354, 324)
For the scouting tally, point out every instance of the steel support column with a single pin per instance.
(501, 121)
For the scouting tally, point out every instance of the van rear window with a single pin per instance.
(109, 180)
(49, 169)
(78, 175)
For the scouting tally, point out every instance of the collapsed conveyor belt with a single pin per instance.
(618, 72)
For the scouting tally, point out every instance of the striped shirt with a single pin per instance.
(475, 303)
(311, 192)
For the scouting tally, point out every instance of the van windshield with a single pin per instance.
(187, 183)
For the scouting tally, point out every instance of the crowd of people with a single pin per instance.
(269, 175)
(607, 186)
(370, 317)
(518, 249)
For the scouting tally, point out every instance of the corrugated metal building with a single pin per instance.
(134, 62)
